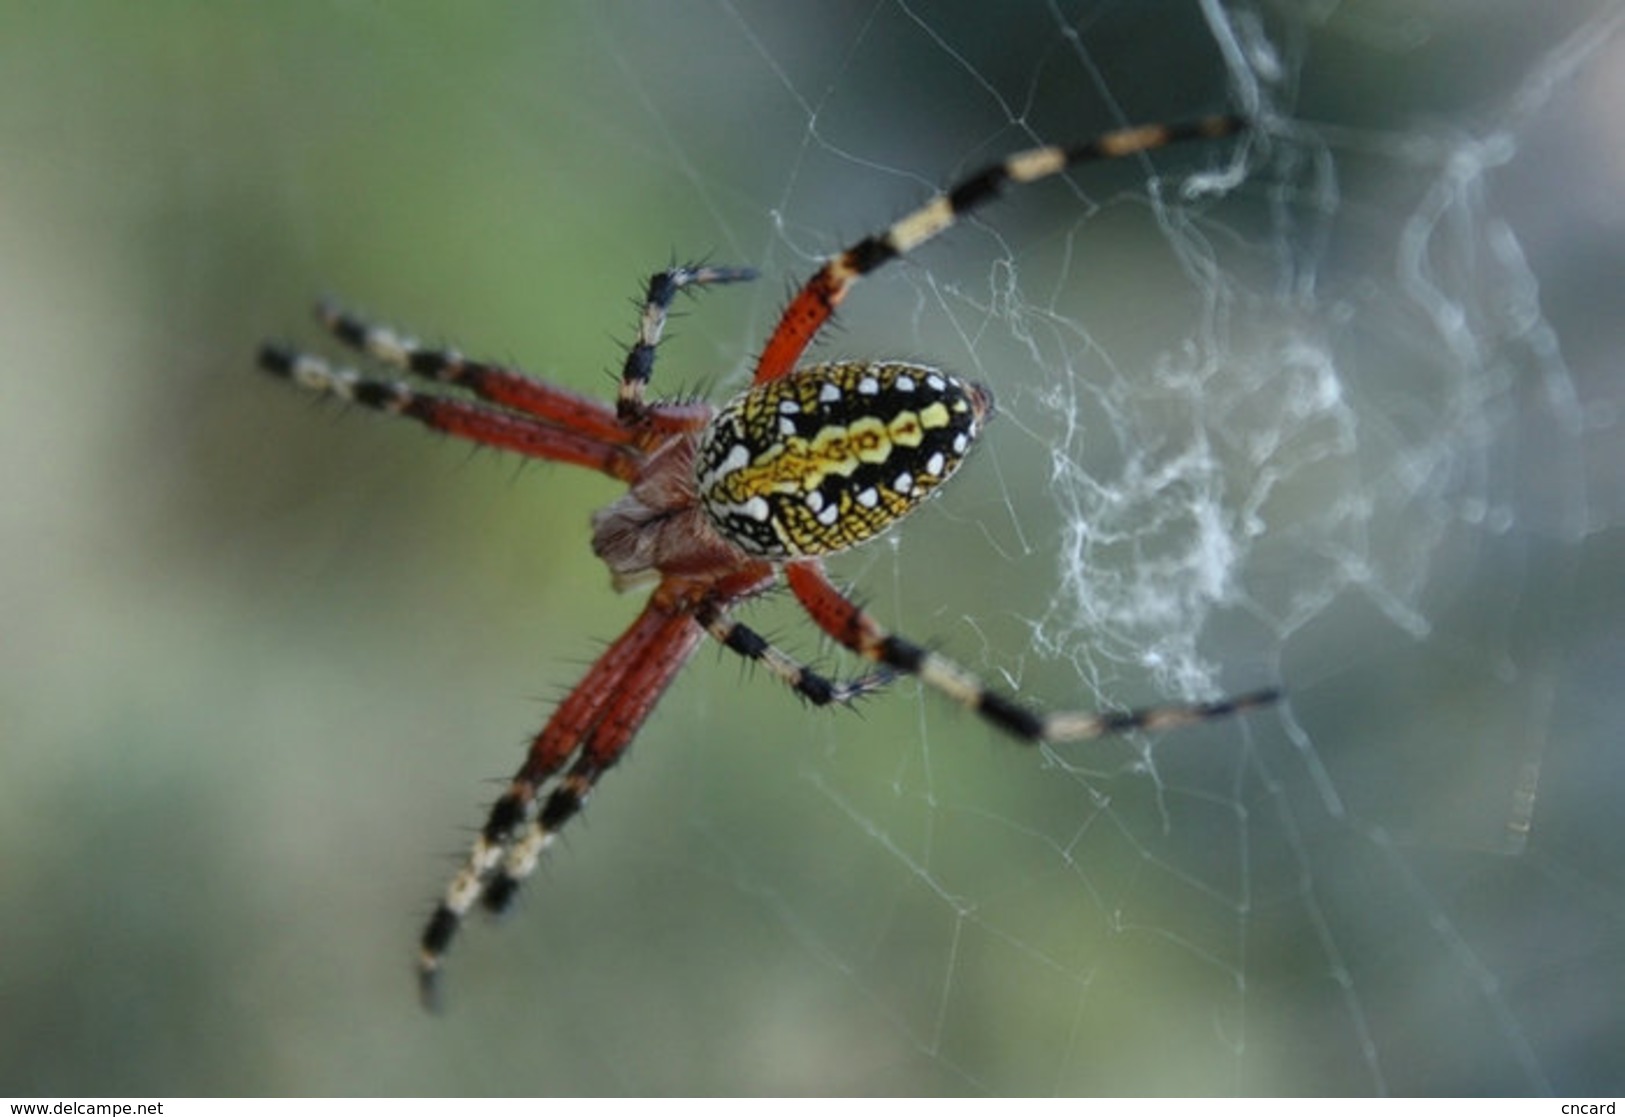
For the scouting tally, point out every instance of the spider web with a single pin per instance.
(1305, 419)
(1334, 407)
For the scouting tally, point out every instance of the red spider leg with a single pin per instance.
(622, 716)
(813, 305)
(598, 719)
(849, 625)
(486, 425)
(619, 713)
(496, 383)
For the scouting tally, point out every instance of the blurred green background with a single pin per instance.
(263, 660)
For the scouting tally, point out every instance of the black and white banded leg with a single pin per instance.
(848, 624)
(663, 288)
(809, 684)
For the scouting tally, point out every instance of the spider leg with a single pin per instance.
(832, 611)
(663, 288)
(819, 296)
(806, 682)
(505, 386)
(595, 723)
(489, 426)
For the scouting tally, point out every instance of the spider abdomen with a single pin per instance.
(831, 455)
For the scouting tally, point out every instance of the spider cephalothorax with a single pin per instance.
(723, 502)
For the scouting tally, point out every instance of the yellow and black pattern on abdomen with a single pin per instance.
(834, 454)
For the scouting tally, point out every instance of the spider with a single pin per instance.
(721, 503)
